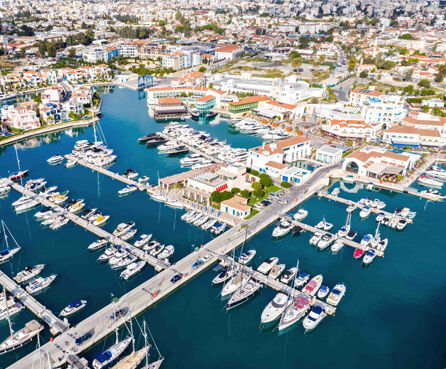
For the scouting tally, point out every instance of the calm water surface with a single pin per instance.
(391, 316)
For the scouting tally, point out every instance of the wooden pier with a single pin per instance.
(101, 233)
(56, 325)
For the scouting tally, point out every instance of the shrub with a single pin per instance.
(257, 186)
(265, 180)
(216, 196)
(285, 184)
(235, 190)
(258, 193)
(254, 172)
(226, 195)
(246, 194)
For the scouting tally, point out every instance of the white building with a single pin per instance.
(411, 136)
(351, 129)
(329, 154)
(128, 50)
(95, 55)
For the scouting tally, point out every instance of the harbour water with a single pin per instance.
(391, 316)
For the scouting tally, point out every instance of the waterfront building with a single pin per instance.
(247, 104)
(376, 162)
(236, 207)
(426, 121)
(22, 118)
(412, 136)
(186, 93)
(329, 154)
(205, 103)
(275, 157)
(350, 129)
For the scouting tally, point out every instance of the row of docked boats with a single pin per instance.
(434, 177)
(286, 224)
(205, 221)
(252, 126)
(204, 144)
(96, 153)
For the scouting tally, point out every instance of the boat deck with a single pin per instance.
(101, 233)
(76, 362)
(56, 325)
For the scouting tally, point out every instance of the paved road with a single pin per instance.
(159, 286)
(346, 87)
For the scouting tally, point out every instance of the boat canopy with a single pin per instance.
(75, 303)
(103, 356)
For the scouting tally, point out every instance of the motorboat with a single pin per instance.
(35, 184)
(108, 253)
(313, 285)
(282, 229)
(127, 190)
(220, 228)
(323, 224)
(276, 270)
(295, 311)
(105, 358)
(325, 241)
(244, 293)
(378, 204)
(337, 246)
(99, 244)
(128, 234)
(73, 307)
(300, 215)
(358, 253)
(246, 257)
(315, 316)
(101, 220)
(288, 275)
(166, 253)
(132, 269)
(174, 203)
(315, 238)
(27, 206)
(301, 279)
(365, 212)
(429, 182)
(297, 230)
(15, 176)
(323, 292)
(130, 174)
(209, 224)
(224, 275)
(401, 224)
(156, 250)
(336, 294)
(275, 308)
(369, 256)
(59, 223)
(158, 197)
(267, 265)
(343, 231)
(76, 207)
(70, 163)
(200, 221)
(151, 245)
(142, 240)
(122, 228)
(234, 284)
(147, 137)
(21, 337)
(39, 284)
(351, 235)
(56, 159)
(143, 179)
(9, 307)
(124, 261)
(380, 217)
(28, 273)
(351, 208)
(366, 239)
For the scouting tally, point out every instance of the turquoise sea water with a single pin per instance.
(391, 316)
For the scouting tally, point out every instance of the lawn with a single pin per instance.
(267, 190)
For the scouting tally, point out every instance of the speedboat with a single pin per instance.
(301, 214)
(351, 235)
(105, 358)
(323, 224)
(337, 246)
(99, 244)
(301, 279)
(288, 275)
(336, 294)
(282, 229)
(276, 271)
(17, 175)
(343, 230)
(325, 241)
(132, 269)
(366, 239)
(73, 307)
(358, 253)
(122, 228)
(39, 284)
(275, 308)
(369, 256)
(166, 253)
(429, 182)
(313, 286)
(365, 212)
(315, 238)
(246, 257)
(224, 275)
(294, 312)
(28, 273)
(243, 294)
(143, 179)
(56, 159)
(267, 265)
(315, 316)
(101, 220)
(127, 190)
(142, 240)
(323, 291)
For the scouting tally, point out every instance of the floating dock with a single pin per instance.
(158, 264)
(56, 325)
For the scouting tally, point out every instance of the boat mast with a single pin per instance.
(154, 343)
(6, 236)
(7, 312)
(144, 333)
(5, 227)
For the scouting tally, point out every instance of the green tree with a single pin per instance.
(265, 180)
(352, 64)
(235, 190)
(257, 186)
(216, 196)
(245, 193)
(364, 74)
(202, 69)
(258, 193)
(424, 83)
(441, 73)
(42, 48)
(72, 53)
(406, 36)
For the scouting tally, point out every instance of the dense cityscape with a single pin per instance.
(164, 168)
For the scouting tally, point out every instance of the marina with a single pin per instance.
(174, 317)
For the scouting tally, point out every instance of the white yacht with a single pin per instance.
(325, 241)
(313, 285)
(323, 224)
(369, 257)
(234, 284)
(267, 265)
(300, 215)
(56, 159)
(73, 307)
(246, 257)
(127, 190)
(337, 246)
(282, 229)
(316, 238)
(224, 275)
(156, 250)
(39, 284)
(99, 244)
(100, 220)
(336, 294)
(28, 273)
(316, 315)
(295, 311)
(21, 337)
(105, 358)
(122, 228)
(166, 253)
(174, 203)
(142, 240)
(124, 261)
(365, 212)
(301, 279)
(275, 308)
(323, 292)
(430, 182)
(288, 275)
(128, 234)
(132, 269)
